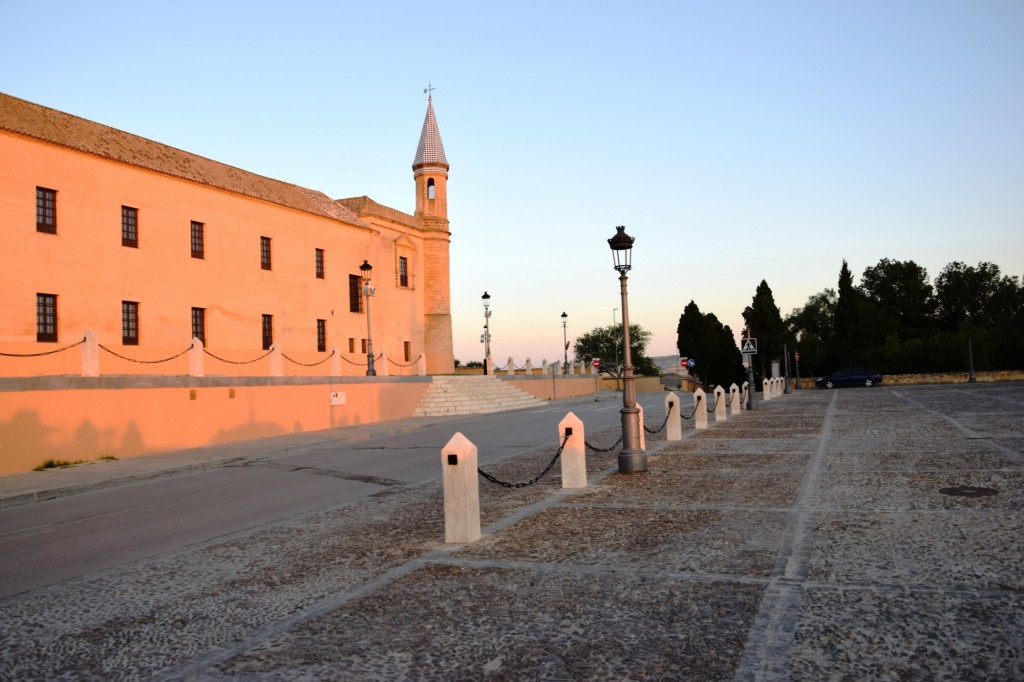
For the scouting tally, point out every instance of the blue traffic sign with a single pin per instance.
(691, 363)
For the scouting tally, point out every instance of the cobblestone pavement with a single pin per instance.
(809, 539)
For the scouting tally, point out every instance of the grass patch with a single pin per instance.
(62, 463)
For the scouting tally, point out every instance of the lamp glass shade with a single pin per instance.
(622, 249)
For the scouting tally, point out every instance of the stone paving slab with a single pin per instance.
(805, 541)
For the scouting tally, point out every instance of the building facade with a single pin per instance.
(149, 247)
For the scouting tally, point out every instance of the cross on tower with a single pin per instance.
(429, 90)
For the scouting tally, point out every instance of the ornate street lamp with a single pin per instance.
(486, 337)
(366, 269)
(565, 343)
(632, 458)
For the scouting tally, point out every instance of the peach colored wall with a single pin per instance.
(127, 422)
(89, 270)
(547, 388)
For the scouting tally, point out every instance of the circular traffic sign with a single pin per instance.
(691, 363)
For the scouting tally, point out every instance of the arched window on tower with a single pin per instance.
(431, 193)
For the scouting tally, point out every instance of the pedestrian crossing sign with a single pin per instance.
(749, 347)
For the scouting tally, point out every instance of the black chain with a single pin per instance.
(145, 362)
(237, 362)
(711, 409)
(38, 355)
(533, 480)
(608, 449)
(695, 406)
(396, 364)
(360, 364)
(308, 364)
(657, 430)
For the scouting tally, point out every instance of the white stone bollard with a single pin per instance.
(461, 491)
(673, 424)
(335, 361)
(276, 361)
(574, 455)
(700, 409)
(381, 366)
(745, 394)
(719, 404)
(734, 399)
(643, 432)
(195, 358)
(90, 354)
(766, 386)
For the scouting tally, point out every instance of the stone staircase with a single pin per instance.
(455, 395)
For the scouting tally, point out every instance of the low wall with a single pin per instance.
(554, 388)
(938, 378)
(72, 418)
(640, 384)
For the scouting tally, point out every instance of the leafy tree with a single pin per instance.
(765, 325)
(847, 348)
(902, 290)
(812, 328)
(712, 345)
(966, 293)
(605, 342)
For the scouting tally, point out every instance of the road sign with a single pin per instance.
(749, 347)
(797, 357)
(691, 363)
(596, 363)
(683, 362)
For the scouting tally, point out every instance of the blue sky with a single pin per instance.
(736, 141)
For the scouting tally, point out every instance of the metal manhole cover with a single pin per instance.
(968, 491)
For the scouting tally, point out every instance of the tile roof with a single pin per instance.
(430, 151)
(56, 127)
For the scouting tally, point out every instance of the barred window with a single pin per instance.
(351, 345)
(199, 324)
(408, 351)
(46, 210)
(46, 317)
(130, 323)
(198, 248)
(363, 346)
(321, 336)
(403, 271)
(265, 253)
(320, 263)
(268, 331)
(129, 226)
(355, 293)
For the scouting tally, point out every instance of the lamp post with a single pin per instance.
(632, 459)
(565, 343)
(748, 313)
(615, 321)
(486, 338)
(366, 269)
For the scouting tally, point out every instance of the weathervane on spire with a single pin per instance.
(429, 90)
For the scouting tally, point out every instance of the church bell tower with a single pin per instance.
(430, 171)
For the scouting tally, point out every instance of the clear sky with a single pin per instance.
(736, 140)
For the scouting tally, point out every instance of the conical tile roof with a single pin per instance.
(430, 151)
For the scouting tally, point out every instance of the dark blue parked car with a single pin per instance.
(855, 376)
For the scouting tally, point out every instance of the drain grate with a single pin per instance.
(968, 491)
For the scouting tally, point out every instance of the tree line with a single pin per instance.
(896, 321)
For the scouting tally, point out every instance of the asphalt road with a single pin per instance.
(51, 542)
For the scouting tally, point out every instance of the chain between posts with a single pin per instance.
(145, 362)
(533, 480)
(397, 364)
(360, 364)
(39, 355)
(659, 429)
(308, 364)
(711, 410)
(237, 362)
(695, 406)
(608, 449)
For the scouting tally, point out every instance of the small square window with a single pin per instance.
(198, 246)
(320, 263)
(46, 210)
(321, 336)
(130, 226)
(46, 317)
(265, 253)
(130, 323)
